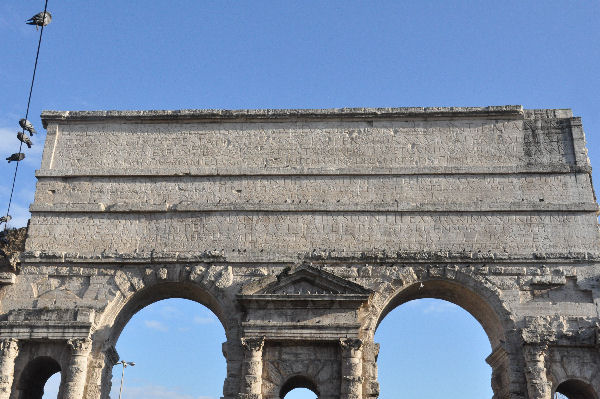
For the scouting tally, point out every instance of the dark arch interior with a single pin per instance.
(576, 389)
(457, 294)
(298, 381)
(34, 377)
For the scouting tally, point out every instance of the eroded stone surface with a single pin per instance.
(301, 230)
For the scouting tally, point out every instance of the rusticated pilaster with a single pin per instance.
(9, 349)
(538, 385)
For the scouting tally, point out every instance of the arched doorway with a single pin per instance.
(34, 377)
(431, 338)
(575, 389)
(434, 315)
(168, 321)
(299, 387)
(176, 346)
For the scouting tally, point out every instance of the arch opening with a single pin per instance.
(300, 387)
(174, 343)
(52, 386)
(443, 325)
(457, 294)
(194, 329)
(34, 377)
(575, 389)
(159, 292)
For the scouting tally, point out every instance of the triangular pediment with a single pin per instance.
(305, 280)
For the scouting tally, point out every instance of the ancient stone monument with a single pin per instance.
(301, 230)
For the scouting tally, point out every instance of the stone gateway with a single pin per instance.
(301, 230)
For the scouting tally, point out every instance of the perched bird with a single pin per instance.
(5, 219)
(25, 124)
(19, 156)
(40, 19)
(24, 139)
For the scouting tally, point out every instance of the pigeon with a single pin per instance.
(5, 219)
(40, 19)
(19, 156)
(24, 139)
(25, 124)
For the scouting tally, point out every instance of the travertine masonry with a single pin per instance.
(301, 230)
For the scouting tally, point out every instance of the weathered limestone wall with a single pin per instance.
(301, 230)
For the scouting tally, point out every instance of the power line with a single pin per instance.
(37, 55)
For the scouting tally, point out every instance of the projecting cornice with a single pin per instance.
(504, 111)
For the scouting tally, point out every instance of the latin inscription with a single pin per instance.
(388, 192)
(309, 145)
(300, 232)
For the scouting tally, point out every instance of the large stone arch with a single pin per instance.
(453, 284)
(463, 287)
(143, 286)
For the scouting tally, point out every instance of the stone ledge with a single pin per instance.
(279, 331)
(316, 207)
(317, 255)
(286, 114)
(547, 168)
(53, 330)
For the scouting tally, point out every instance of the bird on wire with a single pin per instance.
(5, 219)
(26, 125)
(24, 139)
(19, 156)
(40, 19)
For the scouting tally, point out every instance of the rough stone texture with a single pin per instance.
(301, 230)
(10, 251)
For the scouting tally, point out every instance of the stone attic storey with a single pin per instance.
(301, 230)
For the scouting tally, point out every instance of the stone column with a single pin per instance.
(9, 349)
(371, 385)
(252, 368)
(235, 357)
(352, 370)
(76, 372)
(538, 385)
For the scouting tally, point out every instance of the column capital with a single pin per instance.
(535, 351)
(253, 344)
(80, 345)
(351, 343)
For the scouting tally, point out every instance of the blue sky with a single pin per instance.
(297, 54)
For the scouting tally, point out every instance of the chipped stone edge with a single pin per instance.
(317, 255)
(49, 116)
